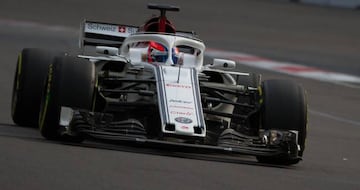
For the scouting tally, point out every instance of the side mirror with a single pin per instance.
(107, 50)
(223, 64)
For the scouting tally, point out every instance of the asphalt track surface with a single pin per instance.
(321, 37)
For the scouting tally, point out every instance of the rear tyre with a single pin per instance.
(31, 70)
(70, 82)
(284, 108)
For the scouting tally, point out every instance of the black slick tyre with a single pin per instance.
(70, 82)
(284, 108)
(31, 70)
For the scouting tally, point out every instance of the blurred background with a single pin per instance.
(326, 37)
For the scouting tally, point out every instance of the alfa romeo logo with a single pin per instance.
(183, 120)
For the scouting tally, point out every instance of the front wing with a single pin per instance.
(270, 143)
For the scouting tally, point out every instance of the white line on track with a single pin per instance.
(339, 119)
(287, 68)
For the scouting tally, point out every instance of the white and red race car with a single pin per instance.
(150, 85)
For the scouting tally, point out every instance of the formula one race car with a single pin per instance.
(149, 85)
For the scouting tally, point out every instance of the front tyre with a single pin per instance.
(284, 108)
(70, 82)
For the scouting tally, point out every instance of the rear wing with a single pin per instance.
(105, 34)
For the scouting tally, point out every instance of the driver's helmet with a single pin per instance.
(159, 53)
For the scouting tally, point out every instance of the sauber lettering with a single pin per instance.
(178, 85)
(102, 27)
(131, 30)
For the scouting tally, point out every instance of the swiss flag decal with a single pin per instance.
(122, 29)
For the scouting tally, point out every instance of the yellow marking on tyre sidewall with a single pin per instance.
(17, 86)
(47, 98)
(19, 67)
(261, 100)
